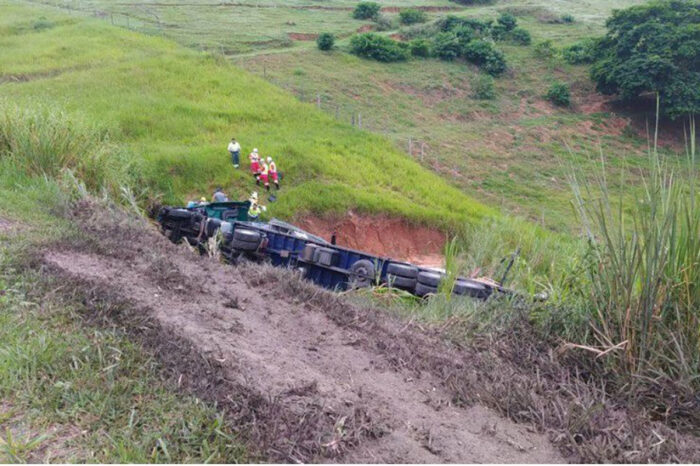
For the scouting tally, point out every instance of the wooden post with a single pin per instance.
(359, 120)
(422, 150)
(337, 112)
(410, 146)
(352, 119)
(318, 100)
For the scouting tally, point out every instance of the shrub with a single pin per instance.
(499, 32)
(42, 23)
(482, 87)
(451, 22)
(464, 33)
(520, 36)
(412, 16)
(485, 55)
(380, 48)
(545, 50)
(580, 52)
(508, 21)
(366, 10)
(652, 48)
(567, 18)
(419, 48)
(325, 41)
(558, 94)
(384, 23)
(446, 46)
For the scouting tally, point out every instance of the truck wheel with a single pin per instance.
(396, 281)
(362, 274)
(243, 245)
(212, 225)
(424, 290)
(402, 270)
(246, 236)
(432, 279)
(471, 288)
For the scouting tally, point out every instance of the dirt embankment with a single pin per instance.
(383, 236)
(306, 376)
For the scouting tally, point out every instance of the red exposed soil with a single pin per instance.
(388, 237)
(396, 9)
(302, 36)
(365, 28)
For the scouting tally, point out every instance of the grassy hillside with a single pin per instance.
(175, 109)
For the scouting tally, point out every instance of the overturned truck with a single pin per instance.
(284, 245)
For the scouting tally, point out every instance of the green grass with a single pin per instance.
(74, 393)
(175, 109)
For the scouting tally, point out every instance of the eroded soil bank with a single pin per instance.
(383, 236)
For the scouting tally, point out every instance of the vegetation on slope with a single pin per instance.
(174, 110)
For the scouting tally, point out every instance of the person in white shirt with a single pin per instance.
(235, 150)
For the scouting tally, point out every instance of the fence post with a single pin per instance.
(359, 120)
(318, 100)
(337, 112)
(422, 150)
(410, 146)
(352, 119)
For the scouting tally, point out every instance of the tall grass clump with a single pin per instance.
(43, 141)
(642, 292)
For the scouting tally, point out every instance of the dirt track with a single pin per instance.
(322, 379)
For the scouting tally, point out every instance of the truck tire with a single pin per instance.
(179, 214)
(307, 255)
(246, 236)
(362, 274)
(402, 270)
(423, 290)
(213, 224)
(397, 281)
(471, 288)
(431, 279)
(243, 245)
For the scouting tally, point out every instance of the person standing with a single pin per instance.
(235, 150)
(255, 164)
(219, 195)
(272, 167)
(264, 175)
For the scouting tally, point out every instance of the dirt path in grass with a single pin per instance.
(308, 376)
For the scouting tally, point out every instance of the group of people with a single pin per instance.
(263, 169)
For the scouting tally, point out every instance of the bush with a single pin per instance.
(384, 23)
(580, 52)
(482, 87)
(366, 10)
(380, 48)
(419, 48)
(508, 21)
(42, 23)
(485, 55)
(499, 32)
(652, 48)
(558, 94)
(451, 22)
(446, 46)
(521, 36)
(567, 18)
(325, 41)
(412, 16)
(545, 50)
(464, 33)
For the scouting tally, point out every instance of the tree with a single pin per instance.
(652, 48)
(366, 10)
(325, 41)
(485, 55)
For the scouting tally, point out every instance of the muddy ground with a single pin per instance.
(303, 374)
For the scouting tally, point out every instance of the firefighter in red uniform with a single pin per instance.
(263, 176)
(254, 163)
(273, 175)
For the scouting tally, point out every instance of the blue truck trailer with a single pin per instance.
(284, 245)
